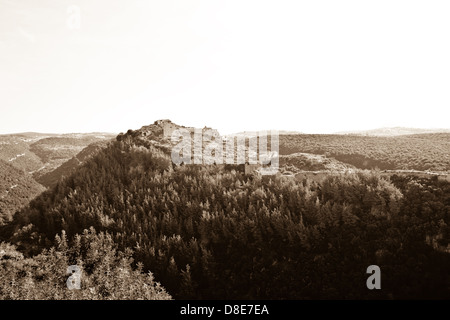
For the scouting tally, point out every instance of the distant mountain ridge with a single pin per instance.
(256, 133)
(394, 131)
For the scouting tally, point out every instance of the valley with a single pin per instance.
(29, 161)
(337, 205)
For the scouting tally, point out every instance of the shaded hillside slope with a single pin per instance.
(38, 154)
(50, 179)
(16, 190)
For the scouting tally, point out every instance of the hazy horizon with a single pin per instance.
(228, 133)
(313, 67)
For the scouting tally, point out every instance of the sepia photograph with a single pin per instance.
(224, 155)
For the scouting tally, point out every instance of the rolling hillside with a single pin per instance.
(297, 162)
(409, 152)
(210, 232)
(50, 178)
(26, 157)
(394, 131)
(37, 153)
(16, 190)
(15, 150)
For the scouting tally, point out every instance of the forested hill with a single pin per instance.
(214, 233)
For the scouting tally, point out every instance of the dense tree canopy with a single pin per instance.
(104, 272)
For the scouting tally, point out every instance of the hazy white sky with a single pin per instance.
(311, 66)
